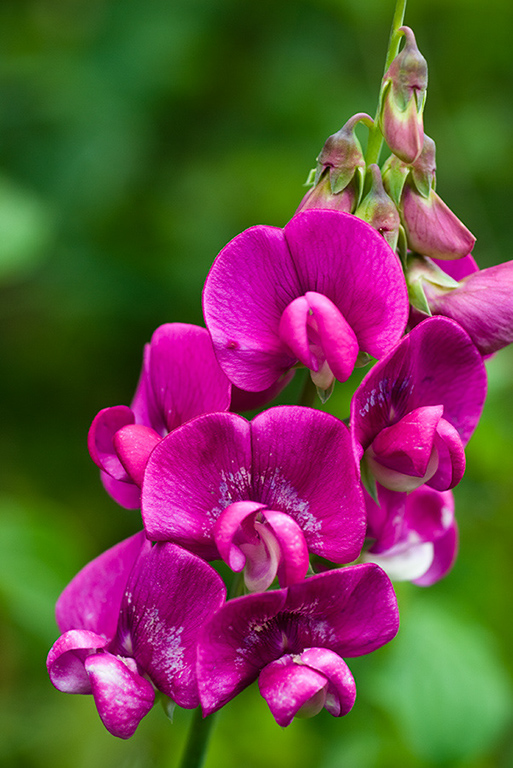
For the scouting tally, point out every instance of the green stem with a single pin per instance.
(196, 747)
(375, 136)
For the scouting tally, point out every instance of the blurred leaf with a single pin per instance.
(444, 684)
(25, 227)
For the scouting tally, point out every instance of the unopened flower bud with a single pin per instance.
(340, 171)
(379, 210)
(403, 93)
(321, 196)
(432, 229)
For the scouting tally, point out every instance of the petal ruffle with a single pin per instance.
(65, 662)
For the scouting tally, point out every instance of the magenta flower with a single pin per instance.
(293, 641)
(130, 621)
(314, 293)
(416, 409)
(415, 535)
(481, 302)
(261, 495)
(180, 379)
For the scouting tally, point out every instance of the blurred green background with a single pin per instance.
(136, 139)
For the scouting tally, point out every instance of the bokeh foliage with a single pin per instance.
(136, 139)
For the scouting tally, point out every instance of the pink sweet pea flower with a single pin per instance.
(180, 379)
(315, 293)
(415, 535)
(260, 494)
(293, 641)
(416, 409)
(125, 635)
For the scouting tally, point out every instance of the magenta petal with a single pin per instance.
(343, 258)
(288, 685)
(249, 285)
(93, 598)
(128, 495)
(385, 521)
(323, 498)
(429, 513)
(445, 551)
(435, 364)
(293, 331)
(66, 659)
(226, 527)
(482, 305)
(407, 445)
(170, 596)
(337, 339)
(100, 439)
(122, 696)
(294, 561)
(451, 458)
(133, 444)
(185, 376)
(341, 693)
(192, 475)
(232, 647)
(458, 268)
(350, 610)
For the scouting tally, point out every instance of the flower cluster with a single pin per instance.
(308, 512)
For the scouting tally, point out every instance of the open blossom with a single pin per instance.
(315, 293)
(294, 640)
(415, 536)
(260, 494)
(130, 621)
(416, 409)
(180, 379)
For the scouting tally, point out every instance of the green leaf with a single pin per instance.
(444, 684)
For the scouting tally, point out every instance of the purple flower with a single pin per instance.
(130, 621)
(416, 409)
(180, 379)
(293, 641)
(316, 293)
(481, 302)
(415, 535)
(260, 494)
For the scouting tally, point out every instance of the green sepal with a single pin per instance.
(369, 481)
(362, 359)
(311, 179)
(418, 297)
(325, 394)
(169, 706)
